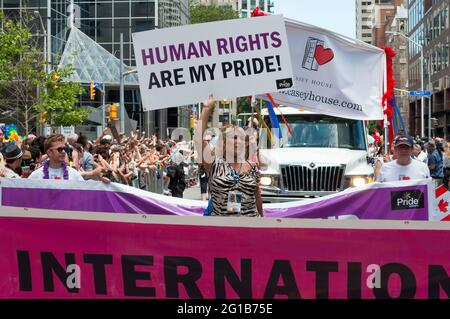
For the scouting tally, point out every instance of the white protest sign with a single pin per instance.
(232, 58)
(333, 74)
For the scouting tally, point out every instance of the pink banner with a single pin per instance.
(406, 200)
(137, 256)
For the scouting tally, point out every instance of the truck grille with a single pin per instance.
(318, 179)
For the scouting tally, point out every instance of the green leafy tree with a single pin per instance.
(26, 90)
(203, 13)
(60, 98)
(243, 105)
(14, 44)
(374, 125)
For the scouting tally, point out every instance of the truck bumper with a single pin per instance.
(282, 197)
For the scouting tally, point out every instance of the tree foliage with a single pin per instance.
(208, 13)
(374, 125)
(243, 105)
(26, 90)
(60, 98)
(14, 44)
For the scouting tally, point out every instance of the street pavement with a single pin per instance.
(192, 192)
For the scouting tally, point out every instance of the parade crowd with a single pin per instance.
(228, 167)
(153, 164)
(412, 158)
(169, 166)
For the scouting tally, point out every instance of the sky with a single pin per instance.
(335, 15)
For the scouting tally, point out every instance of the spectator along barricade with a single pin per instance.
(134, 160)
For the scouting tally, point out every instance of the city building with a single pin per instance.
(375, 19)
(245, 7)
(103, 21)
(429, 27)
(172, 13)
(371, 17)
(383, 14)
(232, 3)
(400, 62)
(364, 20)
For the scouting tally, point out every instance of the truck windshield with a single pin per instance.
(318, 131)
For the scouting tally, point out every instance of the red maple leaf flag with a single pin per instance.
(443, 206)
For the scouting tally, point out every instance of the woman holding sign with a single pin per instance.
(233, 181)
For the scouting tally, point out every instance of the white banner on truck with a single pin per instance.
(333, 74)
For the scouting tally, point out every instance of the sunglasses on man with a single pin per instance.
(60, 149)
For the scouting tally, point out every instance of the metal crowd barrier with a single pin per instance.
(152, 182)
(191, 177)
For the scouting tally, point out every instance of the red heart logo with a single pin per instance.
(322, 55)
(406, 178)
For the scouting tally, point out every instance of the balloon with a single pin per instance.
(258, 12)
(11, 133)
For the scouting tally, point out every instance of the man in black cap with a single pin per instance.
(13, 158)
(404, 167)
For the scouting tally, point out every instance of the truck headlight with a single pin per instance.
(359, 181)
(266, 180)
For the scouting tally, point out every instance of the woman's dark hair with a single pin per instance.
(439, 147)
(39, 142)
(103, 152)
(82, 140)
(35, 152)
(79, 147)
(159, 147)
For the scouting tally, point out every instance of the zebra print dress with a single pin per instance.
(221, 182)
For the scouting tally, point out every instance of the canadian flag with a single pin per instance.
(441, 209)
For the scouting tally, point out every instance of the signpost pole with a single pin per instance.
(103, 107)
(429, 102)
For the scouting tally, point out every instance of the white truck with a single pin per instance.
(325, 155)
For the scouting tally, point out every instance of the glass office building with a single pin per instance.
(429, 26)
(103, 21)
(246, 7)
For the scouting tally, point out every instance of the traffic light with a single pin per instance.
(55, 80)
(193, 122)
(113, 111)
(43, 117)
(92, 90)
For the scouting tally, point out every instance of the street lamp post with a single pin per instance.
(429, 100)
(422, 98)
(122, 88)
(38, 14)
(47, 66)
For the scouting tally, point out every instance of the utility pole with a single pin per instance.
(103, 90)
(422, 98)
(122, 88)
(429, 99)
